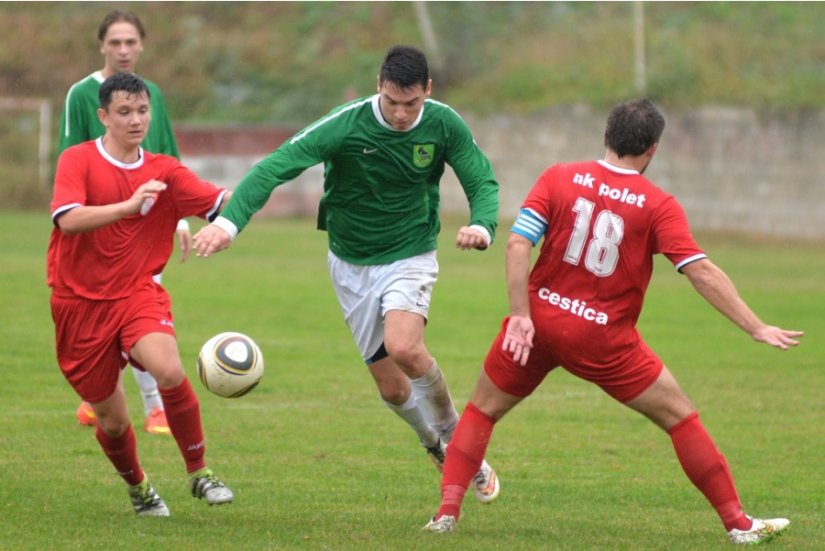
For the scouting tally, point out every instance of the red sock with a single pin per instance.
(122, 452)
(184, 416)
(464, 456)
(706, 467)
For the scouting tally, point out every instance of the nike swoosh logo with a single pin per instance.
(368, 151)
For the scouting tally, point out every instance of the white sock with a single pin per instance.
(432, 389)
(148, 390)
(416, 419)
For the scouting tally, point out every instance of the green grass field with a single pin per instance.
(317, 462)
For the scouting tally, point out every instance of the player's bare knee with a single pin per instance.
(394, 393)
(413, 360)
(169, 377)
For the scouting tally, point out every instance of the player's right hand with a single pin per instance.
(211, 239)
(518, 338)
(776, 336)
(143, 194)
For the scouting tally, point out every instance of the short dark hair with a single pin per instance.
(633, 126)
(405, 66)
(116, 16)
(121, 82)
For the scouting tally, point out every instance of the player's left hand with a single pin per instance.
(470, 238)
(185, 242)
(211, 239)
(518, 338)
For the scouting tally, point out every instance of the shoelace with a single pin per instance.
(481, 478)
(207, 482)
(146, 500)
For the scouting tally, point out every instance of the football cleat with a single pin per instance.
(438, 454)
(146, 501)
(85, 414)
(205, 485)
(485, 484)
(445, 524)
(761, 531)
(156, 422)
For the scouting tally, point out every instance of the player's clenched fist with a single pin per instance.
(471, 238)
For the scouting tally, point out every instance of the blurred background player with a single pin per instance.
(384, 157)
(103, 253)
(121, 42)
(602, 222)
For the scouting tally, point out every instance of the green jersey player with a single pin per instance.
(79, 121)
(383, 157)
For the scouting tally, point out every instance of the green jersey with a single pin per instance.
(381, 185)
(79, 121)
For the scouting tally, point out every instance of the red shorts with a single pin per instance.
(624, 372)
(93, 337)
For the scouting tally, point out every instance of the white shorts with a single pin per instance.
(367, 293)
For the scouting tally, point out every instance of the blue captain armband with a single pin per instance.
(529, 224)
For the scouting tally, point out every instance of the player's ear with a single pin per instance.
(429, 88)
(378, 83)
(103, 117)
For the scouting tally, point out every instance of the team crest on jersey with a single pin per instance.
(423, 154)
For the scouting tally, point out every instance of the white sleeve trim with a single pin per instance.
(183, 225)
(688, 260)
(226, 225)
(483, 230)
(58, 212)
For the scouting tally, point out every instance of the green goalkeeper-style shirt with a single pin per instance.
(79, 121)
(381, 185)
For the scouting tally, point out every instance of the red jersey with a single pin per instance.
(110, 262)
(602, 225)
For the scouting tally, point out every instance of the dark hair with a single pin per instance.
(116, 16)
(405, 66)
(121, 82)
(633, 126)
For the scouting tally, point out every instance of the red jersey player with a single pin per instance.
(106, 307)
(602, 222)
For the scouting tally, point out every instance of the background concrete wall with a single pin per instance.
(732, 169)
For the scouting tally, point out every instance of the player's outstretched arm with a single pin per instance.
(717, 288)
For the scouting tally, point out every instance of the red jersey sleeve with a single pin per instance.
(672, 236)
(192, 195)
(70, 183)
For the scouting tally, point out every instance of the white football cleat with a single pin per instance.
(205, 485)
(761, 531)
(485, 484)
(445, 524)
(146, 501)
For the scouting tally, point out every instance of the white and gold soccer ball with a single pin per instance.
(230, 364)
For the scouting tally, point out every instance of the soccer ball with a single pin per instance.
(230, 364)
